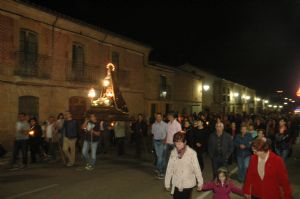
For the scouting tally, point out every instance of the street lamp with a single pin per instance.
(266, 101)
(206, 87)
(257, 99)
(285, 103)
(236, 94)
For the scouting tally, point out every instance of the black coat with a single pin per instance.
(226, 145)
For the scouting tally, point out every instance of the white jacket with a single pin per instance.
(184, 171)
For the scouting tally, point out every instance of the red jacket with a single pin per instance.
(275, 179)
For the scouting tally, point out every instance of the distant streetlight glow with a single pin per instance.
(270, 105)
(279, 91)
(257, 99)
(280, 106)
(266, 101)
(236, 94)
(286, 98)
(206, 87)
(247, 97)
(285, 103)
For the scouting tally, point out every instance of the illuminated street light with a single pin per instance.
(280, 106)
(286, 98)
(236, 94)
(270, 105)
(206, 87)
(247, 97)
(257, 99)
(275, 106)
(266, 101)
(279, 91)
(293, 101)
(285, 103)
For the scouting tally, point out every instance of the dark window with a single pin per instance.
(28, 50)
(77, 57)
(29, 105)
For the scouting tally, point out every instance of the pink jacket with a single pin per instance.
(222, 192)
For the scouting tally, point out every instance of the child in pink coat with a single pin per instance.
(222, 187)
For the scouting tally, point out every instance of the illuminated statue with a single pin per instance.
(110, 95)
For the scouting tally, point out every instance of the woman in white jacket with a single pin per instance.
(183, 170)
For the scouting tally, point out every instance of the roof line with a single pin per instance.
(78, 21)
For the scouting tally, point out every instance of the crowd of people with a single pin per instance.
(179, 142)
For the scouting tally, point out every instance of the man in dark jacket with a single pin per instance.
(140, 130)
(220, 147)
(70, 132)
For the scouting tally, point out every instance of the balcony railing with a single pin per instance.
(32, 65)
(82, 73)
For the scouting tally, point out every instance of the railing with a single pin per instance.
(82, 73)
(32, 65)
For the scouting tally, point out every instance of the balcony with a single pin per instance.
(82, 73)
(32, 65)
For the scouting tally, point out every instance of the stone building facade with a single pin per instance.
(171, 89)
(48, 62)
(224, 96)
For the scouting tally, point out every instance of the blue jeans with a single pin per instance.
(242, 163)
(160, 150)
(20, 145)
(283, 153)
(85, 152)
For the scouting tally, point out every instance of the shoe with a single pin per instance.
(70, 164)
(89, 168)
(23, 166)
(160, 176)
(156, 171)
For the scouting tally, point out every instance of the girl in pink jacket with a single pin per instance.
(222, 187)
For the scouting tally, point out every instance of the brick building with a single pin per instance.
(49, 61)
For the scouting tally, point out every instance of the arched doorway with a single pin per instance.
(77, 106)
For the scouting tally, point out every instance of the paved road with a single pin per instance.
(113, 178)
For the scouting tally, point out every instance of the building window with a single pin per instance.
(28, 53)
(77, 57)
(163, 86)
(29, 105)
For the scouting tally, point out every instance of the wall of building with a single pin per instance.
(52, 86)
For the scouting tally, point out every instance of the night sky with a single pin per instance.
(254, 43)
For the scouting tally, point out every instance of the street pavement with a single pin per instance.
(114, 178)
